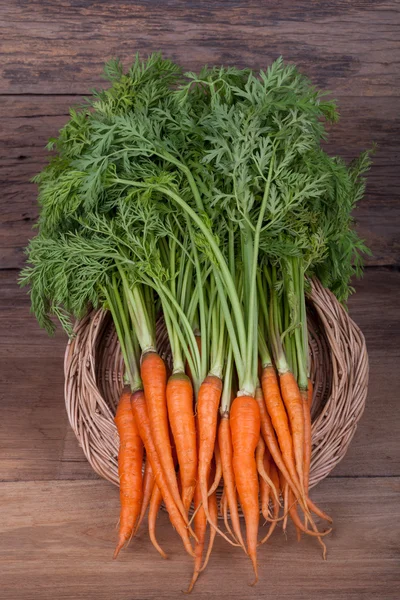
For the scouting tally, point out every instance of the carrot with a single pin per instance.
(155, 503)
(317, 511)
(297, 521)
(275, 478)
(226, 451)
(307, 399)
(130, 458)
(213, 530)
(181, 418)
(207, 416)
(154, 376)
(218, 469)
(292, 399)
(224, 513)
(139, 408)
(260, 451)
(271, 441)
(277, 412)
(245, 429)
(200, 527)
(272, 444)
(285, 494)
(265, 488)
(148, 485)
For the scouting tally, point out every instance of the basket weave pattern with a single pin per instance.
(93, 370)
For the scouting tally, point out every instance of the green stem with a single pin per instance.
(251, 358)
(225, 272)
(226, 397)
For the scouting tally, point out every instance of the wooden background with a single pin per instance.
(57, 518)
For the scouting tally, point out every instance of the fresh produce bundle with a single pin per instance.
(206, 198)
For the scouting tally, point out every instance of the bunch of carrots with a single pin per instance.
(206, 198)
(250, 448)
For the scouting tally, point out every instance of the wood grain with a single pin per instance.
(60, 47)
(29, 122)
(37, 443)
(60, 535)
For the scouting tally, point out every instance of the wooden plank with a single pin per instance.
(61, 535)
(35, 438)
(350, 47)
(31, 121)
(37, 443)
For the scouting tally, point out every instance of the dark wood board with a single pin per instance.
(348, 46)
(57, 538)
(37, 443)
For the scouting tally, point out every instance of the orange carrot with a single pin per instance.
(224, 513)
(297, 521)
(272, 445)
(226, 451)
(260, 451)
(139, 408)
(294, 405)
(269, 436)
(154, 377)
(213, 530)
(148, 485)
(200, 527)
(245, 430)
(181, 418)
(207, 415)
(218, 469)
(265, 488)
(307, 398)
(155, 503)
(130, 459)
(275, 478)
(285, 495)
(277, 412)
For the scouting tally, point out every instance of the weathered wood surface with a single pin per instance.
(28, 122)
(37, 443)
(56, 541)
(59, 47)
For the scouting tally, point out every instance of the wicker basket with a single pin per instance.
(339, 370)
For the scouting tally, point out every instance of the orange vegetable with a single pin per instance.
(130, 458)
(139, 408)
(275, 479)
(155, 503)
(200, 527)
(181, 418)
(218, 469)
(245, 429)
(148, 485)
(226, 451)
(207, 415)
(265, 488)
(307, 399)
(154, 376)
(292, 399)
(277, 412)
